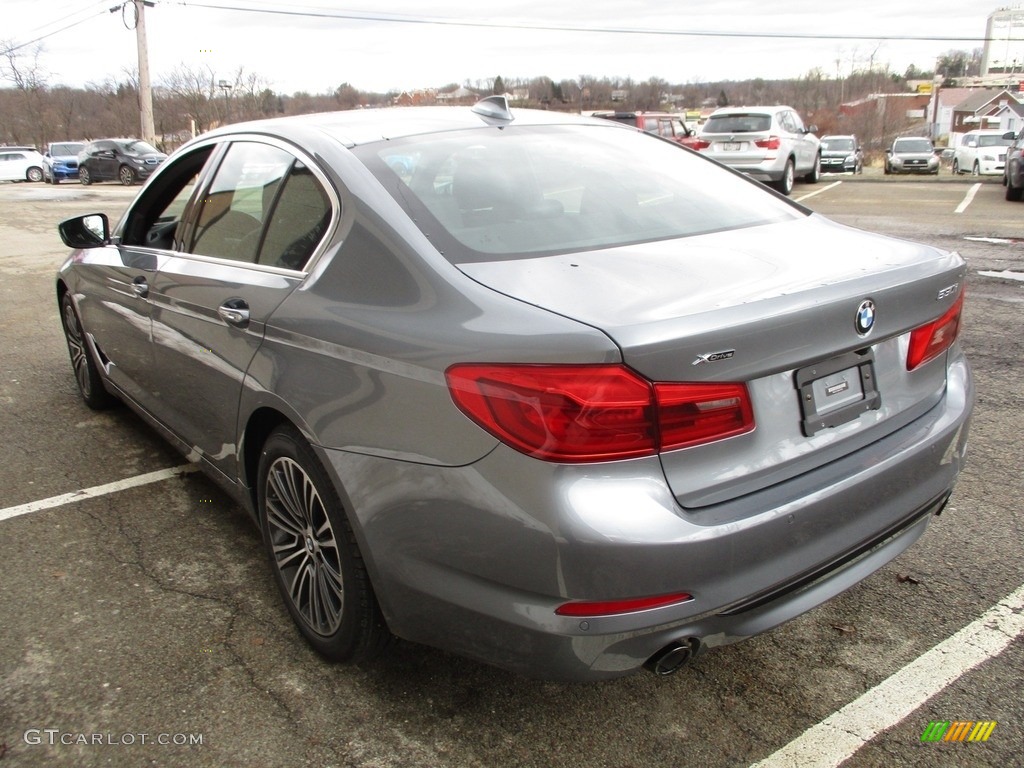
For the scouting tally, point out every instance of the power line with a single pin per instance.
(66, 27)
(534, 27)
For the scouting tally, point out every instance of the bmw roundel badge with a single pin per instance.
(865, 317)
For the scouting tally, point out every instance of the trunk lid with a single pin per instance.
(773, 306)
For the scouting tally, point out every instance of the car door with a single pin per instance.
(8, 165)
(806, 150)
(252, 230)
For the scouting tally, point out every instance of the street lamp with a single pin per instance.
(225, 86)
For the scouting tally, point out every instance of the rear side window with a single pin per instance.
(264, 206)
(738, 123)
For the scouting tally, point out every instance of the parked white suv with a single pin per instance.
(981, 153)
(769, 144)
(20, 164)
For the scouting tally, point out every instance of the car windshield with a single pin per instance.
(506, 192)
(738, 123)
(994, 141)
(912, 145)
(138, 147)
(69, 148)
(841, 145)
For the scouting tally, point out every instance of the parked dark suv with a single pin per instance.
(841, 154)
(126, 160)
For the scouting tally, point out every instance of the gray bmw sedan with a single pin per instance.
(538, 389)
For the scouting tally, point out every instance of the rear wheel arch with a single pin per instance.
(261, 423)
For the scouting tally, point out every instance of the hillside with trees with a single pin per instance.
(191, 100)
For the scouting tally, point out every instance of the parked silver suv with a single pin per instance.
(911, 154)
(769, 144)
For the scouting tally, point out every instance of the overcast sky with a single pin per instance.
(295, 53)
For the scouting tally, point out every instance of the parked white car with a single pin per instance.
(20, 164)
(769, 144)
(981, 153)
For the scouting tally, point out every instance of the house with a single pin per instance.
(979, 110)
(1009, 116)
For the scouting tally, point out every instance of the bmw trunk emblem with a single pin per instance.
(865, 317)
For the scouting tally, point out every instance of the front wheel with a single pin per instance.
(316, 560)
(90, 385)
(126, 175)
(785, 184)
(84, 176)
(956, 167)
(976, 170)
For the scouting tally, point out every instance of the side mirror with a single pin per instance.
(811, 129)
(1010, 135)
(89, 231)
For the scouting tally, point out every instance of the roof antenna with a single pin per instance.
(494, 108)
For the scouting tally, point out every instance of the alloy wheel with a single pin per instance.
(305, 550)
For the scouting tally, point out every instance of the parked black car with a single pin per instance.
(124, 160)
(841, 154)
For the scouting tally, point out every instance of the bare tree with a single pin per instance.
(20, 66)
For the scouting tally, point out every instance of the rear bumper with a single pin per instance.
(476, 559)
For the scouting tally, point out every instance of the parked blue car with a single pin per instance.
(60, 161)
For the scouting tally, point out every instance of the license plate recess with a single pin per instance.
(837, 390)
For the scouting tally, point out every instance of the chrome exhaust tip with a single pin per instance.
(672, 657)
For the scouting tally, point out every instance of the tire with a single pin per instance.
(84, 177)
(90, 384)
(1013, 193)
(956, 168)
(313, 552)
(126, 175)
(815, 175)
(976, 170)
(785, 184)
(886, 169)
(34, 174)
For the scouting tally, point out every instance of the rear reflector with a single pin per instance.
(932, 339)
(587, 413)
(615, 607)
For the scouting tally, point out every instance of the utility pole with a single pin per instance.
(145, 90)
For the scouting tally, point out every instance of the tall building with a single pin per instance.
(1004, 42)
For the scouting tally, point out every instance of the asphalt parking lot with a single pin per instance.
(141, 626)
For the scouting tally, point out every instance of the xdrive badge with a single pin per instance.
(714, 357)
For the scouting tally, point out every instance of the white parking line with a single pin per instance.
(97, 490)
(968, 198)
(842, 733)
(818, 191)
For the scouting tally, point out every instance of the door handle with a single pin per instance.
(140, 287)
(234, 312)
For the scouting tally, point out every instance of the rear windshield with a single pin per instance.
(737, 123)
(506, 192)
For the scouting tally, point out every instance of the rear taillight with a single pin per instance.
(586, 413)
(772, 142)
(698, 143)
(932, 339)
